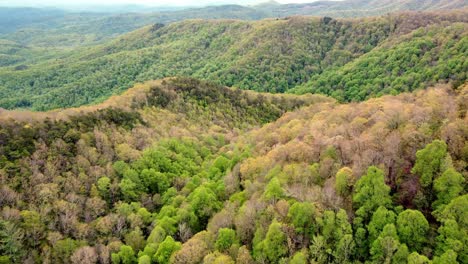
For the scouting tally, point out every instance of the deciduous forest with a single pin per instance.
(235, 134)
(184, 172)
(298, 54)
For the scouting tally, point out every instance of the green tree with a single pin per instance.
(129, 190)
(64, 248)
(204, 203)
(449, 257)
(415, 258)
(299, 258)
(145, 259)
(273, 190)
(166, 249)
(370, 193)
(386, 244)
(11, 241)
(344, 181)
(126, 255)
(335, 226)
(302, 217)
(412, 229)
(33, 227)
(381, 217)
(430, 162)
(103, 186)
(226, 238)
(149, 250)
(452, 237)
(401, 255)
(275, 244)
(318, 250)
(135, 239)
(447, 187)
(344, 249)
(456, 210)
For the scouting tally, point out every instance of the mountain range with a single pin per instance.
(328, 133)
(294, 54)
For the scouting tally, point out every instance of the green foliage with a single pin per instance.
(144, 260)
(447, 187)
(449, 257)
(273, 191)
(398, 65)
(344, 181)
(126, 255)
(226, 238)
(415, 258)
(381, 218)
(299, 258)
(325, 56)
(33, 227)
(166, 249)
(412, 229)
(401, 255)
(430, 162)
(453, 234)
(103, 186)
(344, 249)
(384, 247)
(188, 195)
(336, 230)
(204, 203)
(11, 248)
(370, 193)
(450, 237)
(135, 239)
(318, 250)
(302, 217)
(456, 210)
(63, 249)
(275, 244)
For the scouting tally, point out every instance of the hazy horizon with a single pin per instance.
(78, 3)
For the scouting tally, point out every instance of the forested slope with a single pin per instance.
(172, 172)
(272, 55)
(362, 8)
(410, 62)
(55, 27)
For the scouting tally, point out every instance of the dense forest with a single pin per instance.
(186, 171)
(301, 54)
(55, 27)
(235, 134)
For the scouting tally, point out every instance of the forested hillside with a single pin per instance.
(330, 132)
(406, 51)
(41, 26)
(185, 171)
(363, 8)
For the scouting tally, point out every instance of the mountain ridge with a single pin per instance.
(273, 55)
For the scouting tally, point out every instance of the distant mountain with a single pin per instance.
(349, 59)
(43, 26)
(12, 19)
(359, 8)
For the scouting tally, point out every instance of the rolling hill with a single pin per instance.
(275, 55)
(235, 134)
(53, 27)
(186, 171)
